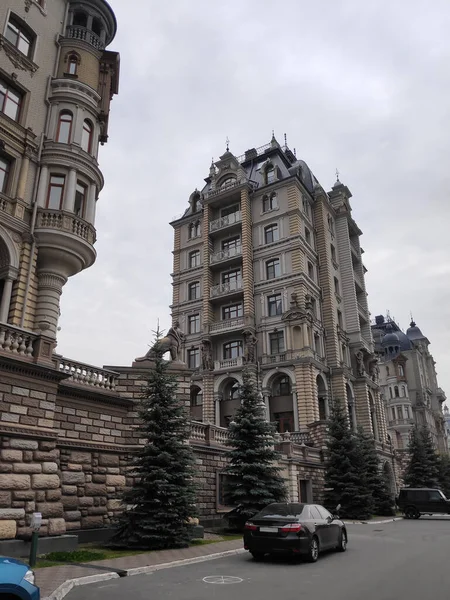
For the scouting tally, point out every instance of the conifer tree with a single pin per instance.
(444, 474)
(163, 497)
(345, 476)
(254, 480)
(423, 466)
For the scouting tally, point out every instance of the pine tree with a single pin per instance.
(423, 466)
(345, 476)
(444, 474)
(383, 502)
(163, 498)
(253, 478)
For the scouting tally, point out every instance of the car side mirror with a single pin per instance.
(330, 519)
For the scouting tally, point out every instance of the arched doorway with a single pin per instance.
(196, 404)
(280, 403)
(351, 407)
(322, 398)
(229, 402)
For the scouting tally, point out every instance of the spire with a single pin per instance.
(273, 141)
(227, 141)
(212, 168)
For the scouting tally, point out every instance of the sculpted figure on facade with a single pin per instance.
(172, 343)
(207, 361)
(250, 341)
(360, 368)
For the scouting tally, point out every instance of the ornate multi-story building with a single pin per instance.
(408, 383)
(268, 272)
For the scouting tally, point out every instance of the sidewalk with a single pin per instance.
(50, 578)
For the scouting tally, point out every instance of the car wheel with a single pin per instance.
(313, 552)
(417, 515)
(258, 556)
(410, 512)
(342, 547)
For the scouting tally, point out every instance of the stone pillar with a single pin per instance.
(306, 399)
(47, 307)
(363, 405)
(91, 204)
(42, 188)
(209, 410)
(206, 272)
(23, 176)
(69, 196)
(247, 260)
(6, 300)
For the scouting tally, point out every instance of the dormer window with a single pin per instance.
(228, 181)
(270, 175)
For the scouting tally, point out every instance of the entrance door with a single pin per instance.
(285, 421)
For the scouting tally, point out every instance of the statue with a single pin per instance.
(294, 300)
(308, 302)
(250, 341)
(374, 371)
(207, 362)
(360, 369)
(170, 343)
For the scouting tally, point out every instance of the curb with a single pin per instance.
(373, 522)
(68, 585)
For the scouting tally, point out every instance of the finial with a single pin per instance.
(273, 133)
(228, 144)
(295, 152)
(285, 140)
(337, 176)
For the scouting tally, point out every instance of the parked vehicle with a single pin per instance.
(297, 529)
(414, 502)
(17, 580)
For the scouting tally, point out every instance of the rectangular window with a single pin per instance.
(19, 37)
(193, 323)
(55, 192)
(194, 290)
(333, 253)
(194, 259)
(393, 415)
(339, 318)
(193, 356)
(336, 286)
(401, 372)
(269, 202)
(232, 312)
(4, 172)
(271, 234)
(274, 305)
(400, 412)
(307, 236)
(305, 206)
(229, 210)
(80, 199)
(231, 244)
(10, 101)
(273, 268)
(232, 277)
(270, 175)
(276, 341)
(407, 413)
(232, 349)
(310, 271)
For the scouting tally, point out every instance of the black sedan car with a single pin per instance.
(298, 529)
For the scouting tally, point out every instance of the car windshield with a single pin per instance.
(282, 510)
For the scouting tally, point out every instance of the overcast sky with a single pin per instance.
(359, 86)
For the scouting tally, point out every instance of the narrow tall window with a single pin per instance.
(194, 290)
(55, 192)
(271, 233)
(80, 199)
(19, 37)
(193, 355)
(333, 252)
(193, 323)
(401, 372)
(72, 64)
(276, 340)
(4, 172)
(64, 131)
(10, 101)
(194, 259)
(336, 286)
(270, 175)
(86, 137)
(307, 236)
(269, 202)
(273, 268)
(310, 271)
(274, 305)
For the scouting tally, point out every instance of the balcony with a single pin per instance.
(226, 326)
(228, 363)
(77, 32)
(66, 222)
(224, 256)
(224, 222)
(359, 283)
(224, 289)
(363, 313)
(87, 375)
(290, 355)
(397, 422)
(17, 342)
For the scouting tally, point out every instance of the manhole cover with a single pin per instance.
(222, 579)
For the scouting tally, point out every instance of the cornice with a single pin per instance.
(17, 58)
(85, 445)
(23, 367)
(41, 433)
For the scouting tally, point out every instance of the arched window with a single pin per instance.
(281, 386)
(96, 26)
(401, 372)
(404, 390)
(231, 392)
(228, 181)
(232, 349)
(86, 138)
(387, 371)
(64, 130)
(72, 64)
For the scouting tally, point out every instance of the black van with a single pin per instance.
(422, 501)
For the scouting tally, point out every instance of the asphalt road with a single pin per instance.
(390, 561)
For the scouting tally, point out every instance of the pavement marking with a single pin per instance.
(222, 579)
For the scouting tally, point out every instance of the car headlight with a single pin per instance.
(29, 576)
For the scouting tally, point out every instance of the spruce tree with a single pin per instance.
(444, 474)
(345, 476)
(423, 466)
(254, 480)
(383, 502)
(163, 497)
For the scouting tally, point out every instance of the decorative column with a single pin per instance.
(23, 176)
(91, 204)
(6, 299)
(69, 196)
(47, 306)
(43, 185)
(247, 260)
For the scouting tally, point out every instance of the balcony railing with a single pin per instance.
(226, 325)
(16, 341)
(77, 32)
(67, 222)
(395, 422)
(301, 437)
(228, 363)
(207, 433)
(218, 257)
(87, 374)
(226, 221)
(226, 288)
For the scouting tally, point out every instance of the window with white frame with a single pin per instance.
(271, 233)
(273, 268)
(194, 290)
(194, 259)
(194, 323)
(20, 36)
(274, 305)
(193, 358)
